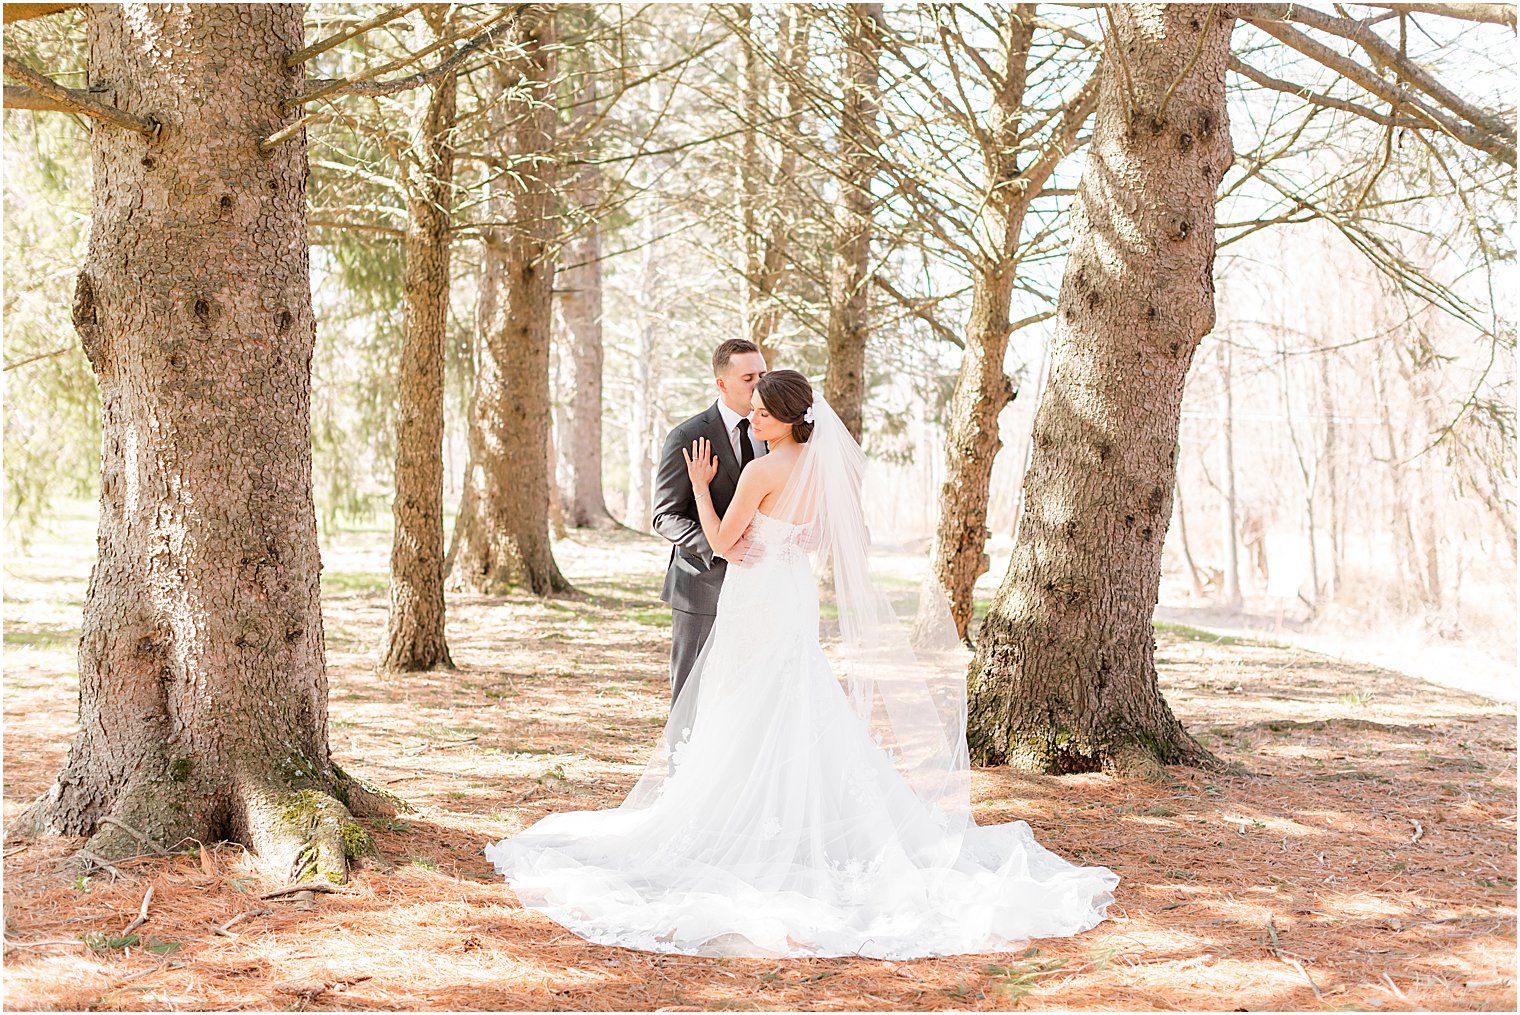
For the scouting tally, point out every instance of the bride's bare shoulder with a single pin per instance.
(772, 469)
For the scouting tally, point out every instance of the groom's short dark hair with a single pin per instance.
(727, 350)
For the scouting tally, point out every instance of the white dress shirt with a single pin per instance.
(731, 422)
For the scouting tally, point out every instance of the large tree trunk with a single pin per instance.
(844, 384)
(415, 634)
(202, 689)
(501, 537)
(1064, 678)
(983, 389)
(580, 305)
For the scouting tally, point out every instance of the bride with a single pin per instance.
(794, 807)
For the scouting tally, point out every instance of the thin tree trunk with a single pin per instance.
(845, 381)
(763, 214)
(1230, 527)
(202, 687)
(580, 304)
(1332, 478)
(1308, 471)
(641, 436)
(415, 629)
(1187, 553)
(501, 538)
(983, 389)
(556, 504)
(1403, 530)
(1064, 678)
(1423, 397)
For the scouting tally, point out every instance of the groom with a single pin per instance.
(694, 576)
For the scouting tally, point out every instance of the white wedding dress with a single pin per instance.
(777, 824)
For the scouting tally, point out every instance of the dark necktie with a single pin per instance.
(746, 449)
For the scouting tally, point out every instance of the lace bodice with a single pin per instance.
(783, 540)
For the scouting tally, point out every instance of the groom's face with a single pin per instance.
(737, 383)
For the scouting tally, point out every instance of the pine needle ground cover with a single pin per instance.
(1365, 859)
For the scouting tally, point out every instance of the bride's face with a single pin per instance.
(762, 424)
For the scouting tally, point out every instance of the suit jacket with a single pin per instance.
(694, 576)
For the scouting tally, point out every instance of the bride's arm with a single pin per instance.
(723, 533)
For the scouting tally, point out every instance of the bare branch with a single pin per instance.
(22, 97)
(364, 227)
(61, 350)
(479, 36)
(1494, 135)
(1319, 99)
(338, 38)
(1064, 139)
(1350, 69)
(70, 100)
(921, 308)
(1493, 14)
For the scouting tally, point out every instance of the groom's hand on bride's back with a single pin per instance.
(745, 553)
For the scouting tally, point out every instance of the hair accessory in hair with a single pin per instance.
(807, 417)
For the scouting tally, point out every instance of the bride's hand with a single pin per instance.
(701, 466)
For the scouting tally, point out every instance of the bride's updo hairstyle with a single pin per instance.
(788, 396)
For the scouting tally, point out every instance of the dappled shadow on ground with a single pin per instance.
(1366, 860)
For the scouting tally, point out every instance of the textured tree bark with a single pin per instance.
(1064, 678)
(415, 631)
(844, 383)
(580, 306)
(202, 688)
(501, 537)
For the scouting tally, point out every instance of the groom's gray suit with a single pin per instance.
(694, 576)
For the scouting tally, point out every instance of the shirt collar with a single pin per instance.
(730, 417)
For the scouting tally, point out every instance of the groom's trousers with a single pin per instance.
(688, 633)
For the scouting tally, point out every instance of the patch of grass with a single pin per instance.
(1360, 698)
(441, 731)
(1012, 983)
(38, 636)
(101, 941)
(1355, 774)
(1208, 637)
(654, 618)
(354, 582)
(390, 824)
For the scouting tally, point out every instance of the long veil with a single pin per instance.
(906, 681)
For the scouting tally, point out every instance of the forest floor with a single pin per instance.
(1367, 861)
